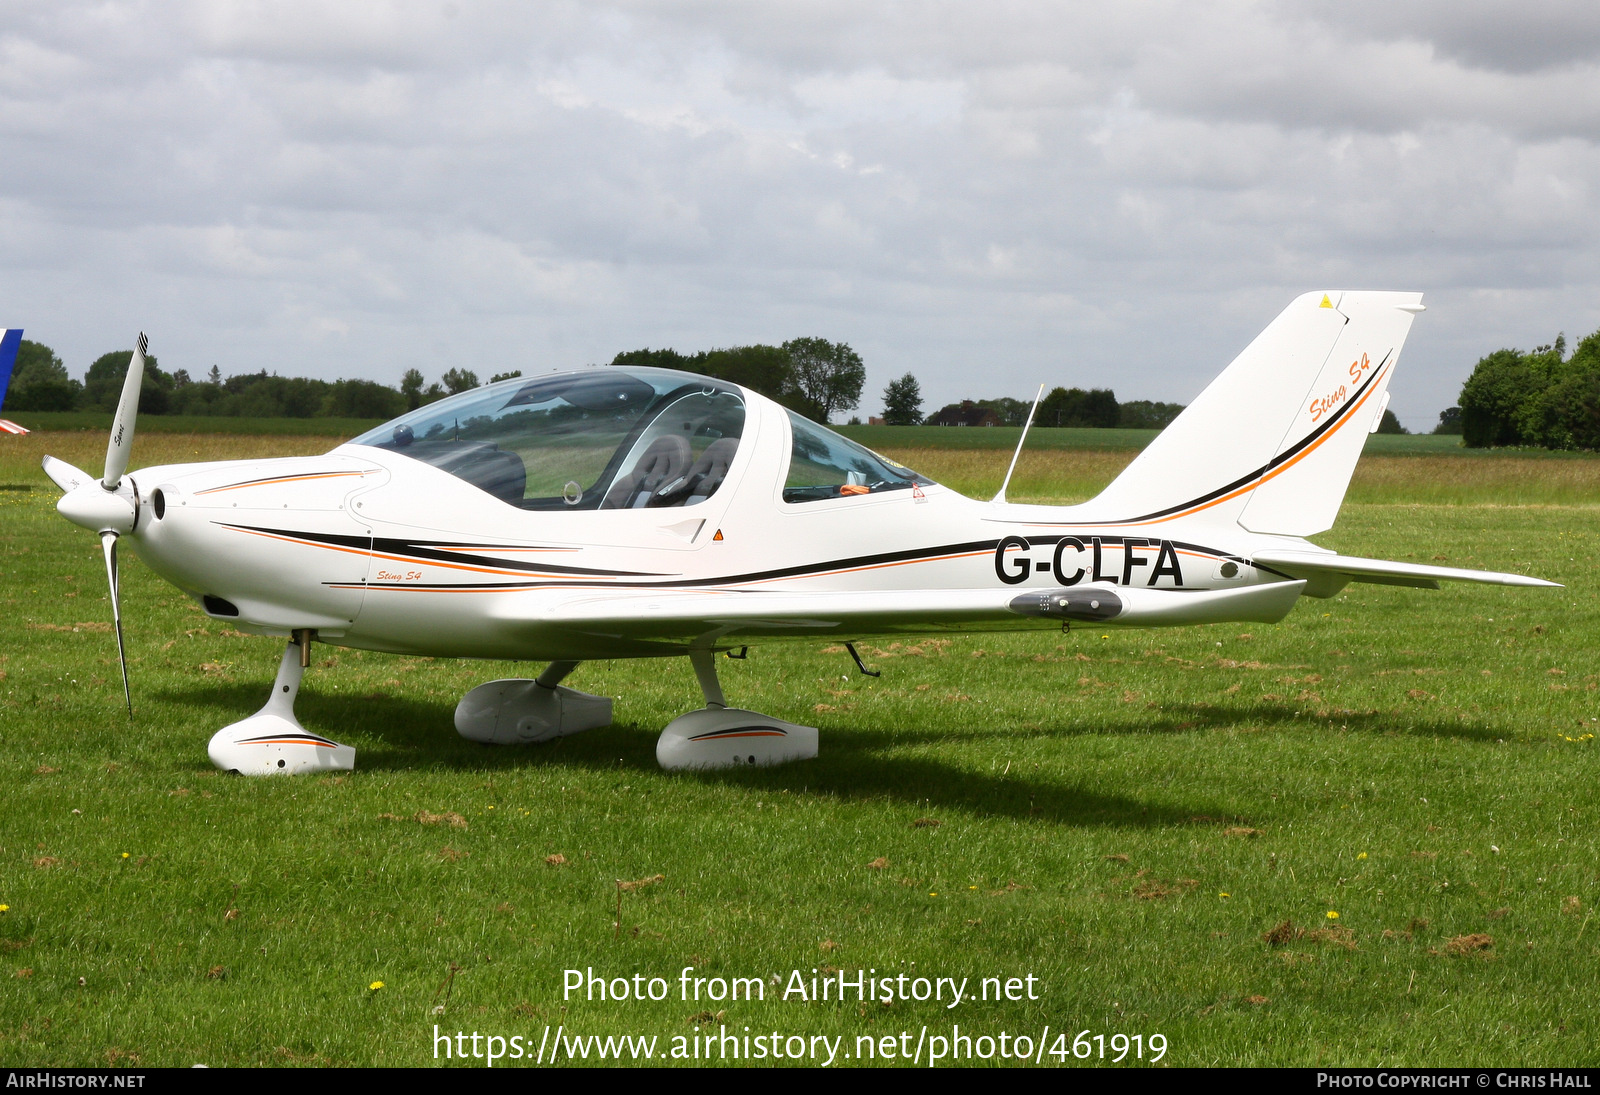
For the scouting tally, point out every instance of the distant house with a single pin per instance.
(874, 420)
(965, 413)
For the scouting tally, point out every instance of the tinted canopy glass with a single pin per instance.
(823, 464)
(603, 438)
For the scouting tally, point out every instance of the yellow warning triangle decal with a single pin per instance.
(718, 536)
(1326, 303)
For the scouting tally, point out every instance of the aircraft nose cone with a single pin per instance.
(97, 509)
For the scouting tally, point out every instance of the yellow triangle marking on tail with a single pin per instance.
(1326, 303)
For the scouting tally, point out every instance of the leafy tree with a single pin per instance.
(1076, 407)
(411, 388)
(35, 362)
(828, 374)
(362, 399)
(1499, 401)
(766, 369)
(832, 383)
(102, 385)
(657, 359)
(1389, 423)
(902, 402)
(1565, 414)
(1449, 421)
(1142, 414)
(497, 377)
(39, 381)
(1013, 412)
(965, 413)
(459, 380)
(202, 397)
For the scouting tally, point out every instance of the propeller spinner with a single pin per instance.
(107, 505)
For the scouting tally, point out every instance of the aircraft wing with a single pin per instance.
(1322, 568)
(731, 614)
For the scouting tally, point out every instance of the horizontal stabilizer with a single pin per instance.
(1315, 565)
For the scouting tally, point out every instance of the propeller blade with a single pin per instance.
(108, 543)
(117, 452)
(64, 475)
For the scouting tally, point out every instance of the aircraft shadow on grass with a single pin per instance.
(415, 736)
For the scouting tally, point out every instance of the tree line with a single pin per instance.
(1539, 398)
(811, 375)
(1073, 407)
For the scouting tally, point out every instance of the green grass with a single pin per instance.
(1095, 797)
(887, 438)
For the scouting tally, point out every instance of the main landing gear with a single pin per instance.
(520, 712)
(719, 736)
(272, 741)
(515, 712)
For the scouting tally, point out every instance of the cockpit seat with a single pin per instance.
(663, 462)
(702, 480)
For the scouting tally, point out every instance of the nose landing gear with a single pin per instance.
(272, 741)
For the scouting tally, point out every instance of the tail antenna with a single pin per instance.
(1001, 497)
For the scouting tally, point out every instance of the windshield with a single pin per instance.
(604, 438)
(822, 464)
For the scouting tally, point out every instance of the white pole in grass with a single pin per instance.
(1001, 497)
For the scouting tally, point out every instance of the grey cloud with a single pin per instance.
(989, 197)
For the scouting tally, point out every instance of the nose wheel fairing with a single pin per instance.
(272, 741)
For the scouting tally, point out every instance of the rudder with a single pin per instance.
(1271, 442)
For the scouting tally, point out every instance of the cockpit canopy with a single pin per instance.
(614, 438)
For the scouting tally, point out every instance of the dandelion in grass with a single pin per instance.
(5, 908)
(1332, 915)
(375, 986)
(1362, 855)
(1224, 895)
(124, 855)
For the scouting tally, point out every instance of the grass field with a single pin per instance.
(888, 438)
(337, 429)
(1156, 826)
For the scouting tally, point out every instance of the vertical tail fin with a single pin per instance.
(10, 342)
(1272, 442)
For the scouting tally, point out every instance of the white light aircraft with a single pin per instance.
(619, 512)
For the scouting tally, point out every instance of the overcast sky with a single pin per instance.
(989, 196)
